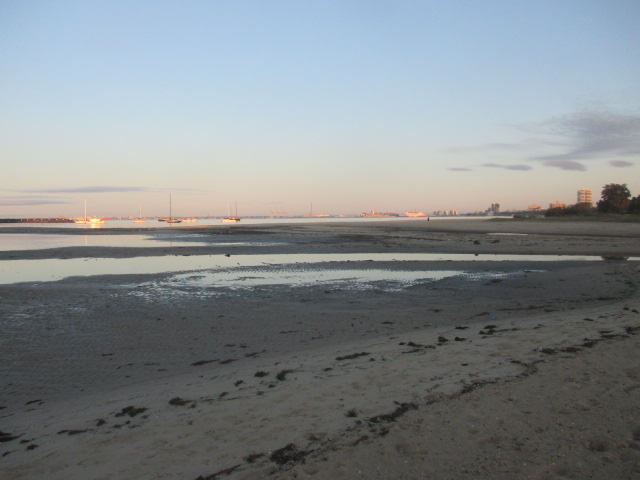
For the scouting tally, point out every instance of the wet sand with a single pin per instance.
(532, 374)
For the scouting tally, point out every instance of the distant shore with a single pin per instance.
(36, 220)
(513, 370)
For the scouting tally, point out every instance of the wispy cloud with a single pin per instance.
(460, 169)
(30, 201)
(566, 165)
(523, 168)
(620, 163)
(569, 142)
(93, 189)
(509, 147)
(106, 189)
(592, 135)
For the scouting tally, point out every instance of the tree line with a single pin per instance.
(616, 198)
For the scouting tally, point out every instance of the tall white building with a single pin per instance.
(584, 196)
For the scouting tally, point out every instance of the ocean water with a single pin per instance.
(154, 224)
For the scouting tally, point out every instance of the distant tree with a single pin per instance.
(634, 205)
(615, 198)
(570, 210)
(583, 208)
(555, 212)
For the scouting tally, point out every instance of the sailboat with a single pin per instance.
(170, 219)
(139, 219)
(89, 221)
(229, 218)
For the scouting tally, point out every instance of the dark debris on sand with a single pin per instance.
(352, 356)
(131, 411)
(398, 412)
(215, 476)
(283, 374)
(7, 437)
(288, 455)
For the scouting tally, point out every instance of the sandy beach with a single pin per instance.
(507, 369)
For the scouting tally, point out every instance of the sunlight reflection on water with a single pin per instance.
(237, 280)
(13, 271)
(28, 241)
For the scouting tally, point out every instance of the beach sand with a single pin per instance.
(518, 369)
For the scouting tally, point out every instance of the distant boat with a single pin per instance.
(414, 214)
(139, 219)
(170, 219)
(87, 220)
(189, 220)
(229, 218)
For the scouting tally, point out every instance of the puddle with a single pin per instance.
(237, 281)
(242, 278)
(510, 234)
(14, 271)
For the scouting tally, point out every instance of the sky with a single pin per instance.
(285, 106)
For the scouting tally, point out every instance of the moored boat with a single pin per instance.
(229, 218)
(89, 220)
(170, 219)
(414, 214)
(139, 219)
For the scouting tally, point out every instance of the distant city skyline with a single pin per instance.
(183, 209)
(352, 106)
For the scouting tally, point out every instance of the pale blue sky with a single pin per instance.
(351, 105)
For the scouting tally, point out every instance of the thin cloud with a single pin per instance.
(107, 189)
(620, 163)
(460, 169)
(511, 147)
(94, 189)
(30, 201)
(566, 165)
(522, 168)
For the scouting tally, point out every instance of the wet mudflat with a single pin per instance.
(291, 361)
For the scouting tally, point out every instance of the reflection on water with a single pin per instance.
(201, 222)
(13, 271)
(238, 281)
(303, 276)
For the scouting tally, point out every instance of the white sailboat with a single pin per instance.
(89, 221)
(139, 219)
(229, 218)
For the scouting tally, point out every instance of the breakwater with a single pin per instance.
(36, 220)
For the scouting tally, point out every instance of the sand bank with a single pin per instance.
(113, 377)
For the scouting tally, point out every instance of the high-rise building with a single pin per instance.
(495, 208)
(584, 196)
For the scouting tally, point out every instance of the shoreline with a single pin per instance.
(354, 380)
(508, 237)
